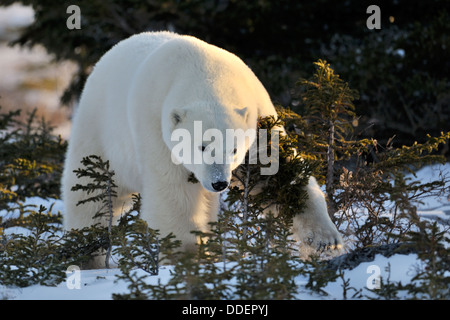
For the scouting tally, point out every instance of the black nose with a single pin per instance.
(219, 185)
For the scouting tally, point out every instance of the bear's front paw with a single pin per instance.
(316, 234)
(322, 241)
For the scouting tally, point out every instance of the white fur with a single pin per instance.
(126, 116)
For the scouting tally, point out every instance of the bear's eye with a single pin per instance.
(202, 148)
(234, 150)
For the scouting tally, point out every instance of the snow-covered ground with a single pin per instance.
(22, 70)
(102, 283)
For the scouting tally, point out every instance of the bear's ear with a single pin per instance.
(242, 112)
(177, 116)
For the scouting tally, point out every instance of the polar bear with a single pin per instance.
(138, 94)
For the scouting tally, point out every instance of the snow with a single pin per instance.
(102, 283)
(400, 52)
(13, 18)
(396, 268)
(97, 284)
(438, 205)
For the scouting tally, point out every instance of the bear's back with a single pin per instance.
(128, 54)
(139, 46)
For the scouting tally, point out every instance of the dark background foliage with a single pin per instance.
(401, 70)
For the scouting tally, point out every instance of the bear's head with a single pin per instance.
(210, 140)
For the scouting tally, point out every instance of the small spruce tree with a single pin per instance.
(102, 188)
(330, 113)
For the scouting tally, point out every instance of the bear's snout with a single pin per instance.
(220, 185)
